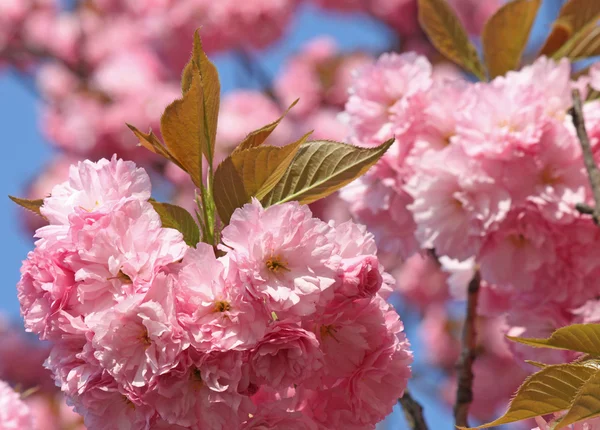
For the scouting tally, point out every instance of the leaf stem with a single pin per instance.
(464, 391)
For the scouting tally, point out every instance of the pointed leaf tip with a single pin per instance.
(31, 205)
(321, 168)
(447, 34)
(576, 337)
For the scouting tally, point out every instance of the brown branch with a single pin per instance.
(464, 391)
(588, 158)
(413, 411)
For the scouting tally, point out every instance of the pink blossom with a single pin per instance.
(349, 332)
(96, 187)
(386, 98)
(376, 201)
(212, 305)
(594, 74)
(283, 255)
(104, 407)
(57, 171)
(275, 416)
(14, 414)
(138, 339)
(182, 398)
(286, 355)
(455, 203)
(129, 240)
(369, 391)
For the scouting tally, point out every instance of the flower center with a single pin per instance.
(518, 240)
(276, 264)
(328, 331)
(144, 337)
(222, 306)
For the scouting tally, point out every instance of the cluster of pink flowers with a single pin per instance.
(487, 173)
(289, 325)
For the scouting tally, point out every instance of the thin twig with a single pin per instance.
(413, 411)
(464, 392)
(255, 69)
(588, 158)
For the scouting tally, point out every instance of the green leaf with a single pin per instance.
(576, 337)
(250, 173)
(176, 217)
(505, 35)
(322, 167)
(574, 16)
(152, 143)
(31, 205)
(448, 35)
(258, 137)
(189, 124)
(586, 404)
(550, 390)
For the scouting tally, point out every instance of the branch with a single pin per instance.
(464, 392)
(413, 412)
(254, 68)
(588, 158)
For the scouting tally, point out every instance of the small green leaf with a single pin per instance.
(505, 35)
(576, 337)
(176, 217)
(31, 205)
(322, 167)
(586, 404)
(550, 390)
(258, 137)
(574, 16)
(250, 173)
(448, 35)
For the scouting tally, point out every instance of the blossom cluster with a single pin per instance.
(488, 175)
(287, 328)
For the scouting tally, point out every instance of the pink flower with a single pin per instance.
(283, 255)
(139, 339)
(47, 285)
(376, 201)
(14, 414)
(275, 416)
(127, 241)
(455, 203)
(96, 187)
(212, 304)
(386, 99)
(104, 407)
(182, 398)
(521, 245)
(286, 355)
(350, 331)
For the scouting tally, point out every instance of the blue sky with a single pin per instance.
(25, 150)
